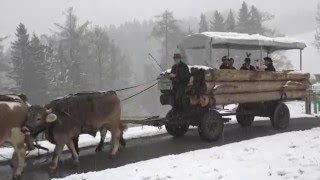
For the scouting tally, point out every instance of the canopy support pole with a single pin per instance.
(300, 59)
(210, 53)
(228, 51)
(260, 55)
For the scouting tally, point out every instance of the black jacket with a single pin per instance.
(270, 67)
(182, 73)
(224, 67)
(251, 68)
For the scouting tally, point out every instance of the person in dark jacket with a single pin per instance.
(247, 65)
(225, 63)
(180, 76)
(231, 63)
(269, 64)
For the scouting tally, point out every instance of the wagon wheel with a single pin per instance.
(244, 120)
(176, 130)
(280, 117)
(211, 126)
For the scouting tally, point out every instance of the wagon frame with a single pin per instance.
(209, 119)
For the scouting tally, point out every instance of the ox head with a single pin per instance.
(38, 119)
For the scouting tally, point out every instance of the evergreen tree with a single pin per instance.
(217, 24)
(243, 19)
(100, 50)
(3, 65)
(168, 31)
(230, 23)
(203, 24)
(74, 50)
(255, 21)
(189, 31)
(317, 35)
(38, 63)
(20, 60)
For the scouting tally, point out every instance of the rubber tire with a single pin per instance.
(281, 117)
(176, 130)
(211, 126)
(244, 120)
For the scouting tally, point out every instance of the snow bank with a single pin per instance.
(293, 155)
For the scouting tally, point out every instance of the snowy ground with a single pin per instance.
(296, 111)
(292, 155)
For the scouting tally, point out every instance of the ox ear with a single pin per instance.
(51, 118)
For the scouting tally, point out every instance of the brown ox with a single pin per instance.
(13, 114)
(83, 113)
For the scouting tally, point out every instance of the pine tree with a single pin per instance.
(217, 24)
(3, 65)
(255, 21)
(168, 31)
(243, 19)
(203, 24)
(317, 35)
(230, 23)
(40, 66)
(20, 60)
(100, 47)
(74, 50)
(189, 31)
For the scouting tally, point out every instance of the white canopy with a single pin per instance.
(228, 40)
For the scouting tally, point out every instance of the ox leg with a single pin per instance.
(115, 141)
(122, 140)
(17, 140)
(56, 155)
(103, 133)
(76, 144)
(75, 155)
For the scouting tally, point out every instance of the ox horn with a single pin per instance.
(51, 118)
(49, 111)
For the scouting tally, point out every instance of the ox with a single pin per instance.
(63, 120)
(13, 114)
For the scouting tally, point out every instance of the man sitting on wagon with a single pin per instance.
(268, 65)
(180, 77)
(231, 63)
(225, 63)
(247, 65)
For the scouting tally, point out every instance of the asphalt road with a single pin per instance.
(148, 148)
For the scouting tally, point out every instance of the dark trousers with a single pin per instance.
(178, 96)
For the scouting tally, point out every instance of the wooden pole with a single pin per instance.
(224, 99)
(300, 59)
(227, 75)
(256, 86)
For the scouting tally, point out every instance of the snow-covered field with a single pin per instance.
(296, 110)
(292, 155)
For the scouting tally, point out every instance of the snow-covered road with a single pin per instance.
(292, 155)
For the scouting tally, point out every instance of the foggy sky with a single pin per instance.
(39, 15)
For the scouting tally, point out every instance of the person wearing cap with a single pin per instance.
(180, 76)
(225, 63)
(247, 65)
(268, 64)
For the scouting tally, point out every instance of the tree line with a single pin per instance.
(83, 57)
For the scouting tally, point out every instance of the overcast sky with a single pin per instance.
(39, 15)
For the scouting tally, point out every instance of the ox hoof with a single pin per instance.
(75, 161)
(123, 142)
(16, 177)
(52, 168)
(112, 156)
(99, 148)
